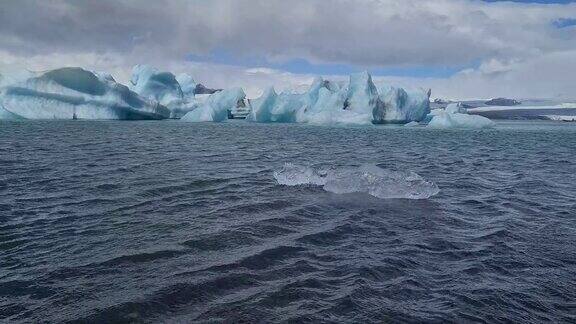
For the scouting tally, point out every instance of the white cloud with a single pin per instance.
(519, 51)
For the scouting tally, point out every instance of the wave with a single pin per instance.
(370, 179)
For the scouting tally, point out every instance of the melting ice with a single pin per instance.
(370, 179)
(456, 116)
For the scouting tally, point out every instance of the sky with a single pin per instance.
(461, 49)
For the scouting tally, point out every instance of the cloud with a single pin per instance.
(503, 41)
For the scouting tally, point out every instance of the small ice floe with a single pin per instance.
(456, 116)
(370, 179)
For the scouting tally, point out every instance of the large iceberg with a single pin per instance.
(181, 94)
(218, 106)
(6, 115)
(71, 93)
(74, 93)
(456, 116)
(357, 102)
(363, 99)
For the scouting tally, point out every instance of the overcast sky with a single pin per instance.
(459, 48)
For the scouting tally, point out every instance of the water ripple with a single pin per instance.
(168, 222)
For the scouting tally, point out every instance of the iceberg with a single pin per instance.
(402, 106)
(71, 93)
(455, 116)
(14, 75)
(271, 107)
(154, 85)
(75, 93)
(457, 120)
(218, 106)
(165, 88)
(187, 85)
(357, 102)
(329, 110)
(178, 93)
(370, 179)
(6, 115)
(363, 99)
(262, 107)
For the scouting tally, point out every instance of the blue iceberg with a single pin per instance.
(357, 102)
(75, 93)
(218, 107)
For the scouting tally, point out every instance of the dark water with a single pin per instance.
(174, 222)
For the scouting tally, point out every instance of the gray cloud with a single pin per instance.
(514, 42)
(361, 32)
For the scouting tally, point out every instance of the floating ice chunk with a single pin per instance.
(74, 93)
(412, 124)
(443, 119)
(294, 175)
(368, 179)
(217, 107)
(456, 116)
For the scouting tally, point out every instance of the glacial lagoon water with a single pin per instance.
(165, 221)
